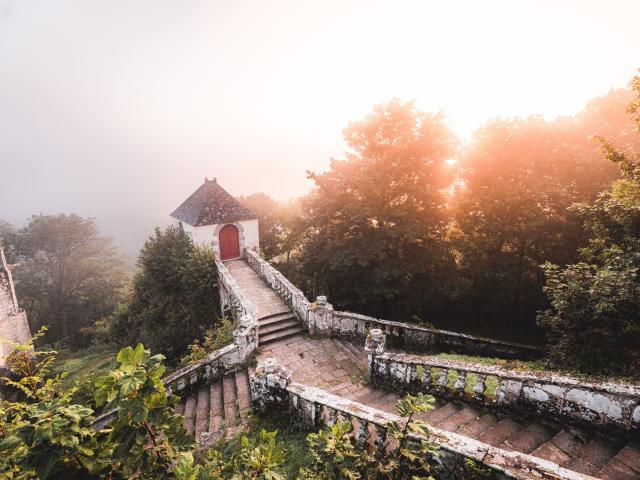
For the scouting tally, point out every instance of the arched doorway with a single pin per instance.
(229, 242)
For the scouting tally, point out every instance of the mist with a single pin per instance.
(117, 110)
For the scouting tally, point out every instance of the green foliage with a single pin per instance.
(214, 339)
(146, 435)
(376, 221)
(69, 275)
(409, 452)
(174, 296)
(594, 318)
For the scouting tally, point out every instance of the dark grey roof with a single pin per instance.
(211, 204)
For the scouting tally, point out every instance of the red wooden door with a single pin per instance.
(229, 242)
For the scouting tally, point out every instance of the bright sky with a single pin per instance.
(118, 109)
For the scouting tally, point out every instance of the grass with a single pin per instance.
(291, 431)
(518, 365)
(85, 364)
(535, 366)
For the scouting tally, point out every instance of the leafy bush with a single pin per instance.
(214, 339)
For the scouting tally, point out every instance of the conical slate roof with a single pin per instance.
(211, 204)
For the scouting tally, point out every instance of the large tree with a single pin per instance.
(69, 275)
(520, 177)
(175, 296)
(594, 317)
(374, 241)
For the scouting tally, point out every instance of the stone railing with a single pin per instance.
(320, 319)
(291, 294)
(613, 406)
(271, 388)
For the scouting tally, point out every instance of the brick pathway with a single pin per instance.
(267, 301)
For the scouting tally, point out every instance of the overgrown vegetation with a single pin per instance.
(44, 435)
(174, 298)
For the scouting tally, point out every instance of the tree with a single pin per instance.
(594, 313)
(174, 298)
(376, 221)
(68, 276)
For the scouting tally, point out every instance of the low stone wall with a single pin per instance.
(611, 406)
(291, 294)
(422, 339)
(320, 319)
(271, 389)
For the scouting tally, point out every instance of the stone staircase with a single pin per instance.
(218, 409)
(575, 449)
(278, 326)
(340, 367)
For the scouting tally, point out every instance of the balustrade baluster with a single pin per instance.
(461, 382)
(332, 417)
(381, 437)
(426, 378)
(442, 379)
(362, 434)
(479, 387)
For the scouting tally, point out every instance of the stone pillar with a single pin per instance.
(374, 345)
(268, 385)
(320, 317)
(246, 337)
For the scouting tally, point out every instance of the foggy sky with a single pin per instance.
(118, 109)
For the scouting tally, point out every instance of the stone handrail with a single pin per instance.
(270, 388)
(609, 405)
(231, 295)
(291, 294)
(423, 339)
(320, 319)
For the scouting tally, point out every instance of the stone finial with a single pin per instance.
(246, 321)
(375, 342)
(321, 300)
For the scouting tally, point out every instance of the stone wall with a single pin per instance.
(14, 327)
(612, 406)
(320, 319)
(271, 389)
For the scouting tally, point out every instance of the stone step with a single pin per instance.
(216, 407)
(244, 395)
(504, 429)
(461, 418)
(440, 414)
(530, 438)
(275, 318)
(190, 413)
(229, 399)
(355, 359)
(272, 337)
(202, 413)
(624, 465)
(592, 458)
(475, 428)
(353, 368)
(560, 448)
(358, 352)
(278, 326)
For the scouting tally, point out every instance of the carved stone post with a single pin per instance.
(268, 385)
(246, 336)
(320, 317)
(374, 345)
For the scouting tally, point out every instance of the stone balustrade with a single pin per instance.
(271, 389)
(613, 406)
(320, 319)
(291, 294)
